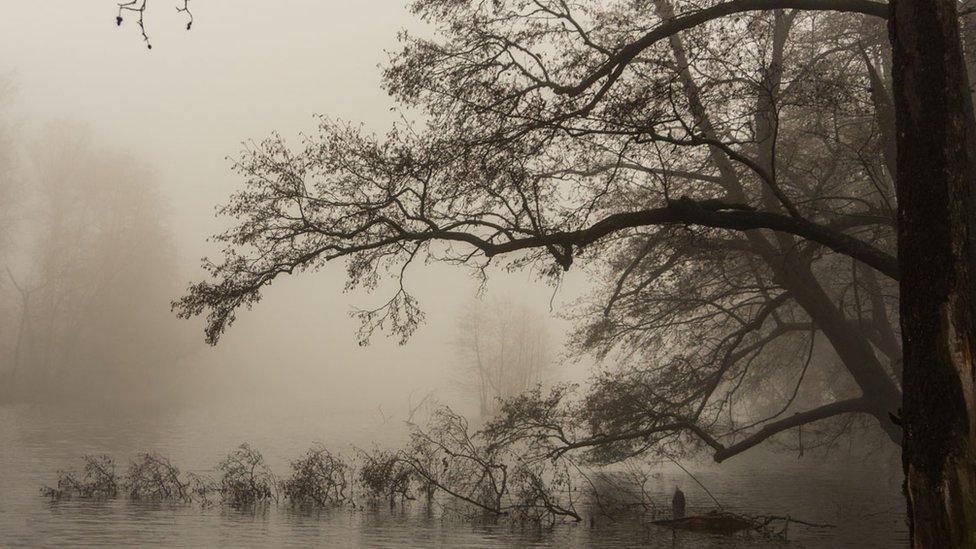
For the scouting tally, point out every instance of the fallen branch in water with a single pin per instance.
(772, 518)
(727, 523)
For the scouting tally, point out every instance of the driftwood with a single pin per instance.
(715, 522)
(725, 523)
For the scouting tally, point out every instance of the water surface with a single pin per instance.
(864, 502)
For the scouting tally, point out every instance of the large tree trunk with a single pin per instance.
(936, 195)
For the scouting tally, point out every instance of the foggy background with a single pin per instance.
(174, 114)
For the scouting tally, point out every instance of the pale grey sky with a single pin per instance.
(247, 68)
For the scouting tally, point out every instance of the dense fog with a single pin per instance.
(113, 161)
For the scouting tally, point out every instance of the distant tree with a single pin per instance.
(503, 351)
(8, 173)
(96, 266)
(10, 306)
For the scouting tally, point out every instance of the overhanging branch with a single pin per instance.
(706, 214)
(801, 418)
(622, 57)
(723, 452)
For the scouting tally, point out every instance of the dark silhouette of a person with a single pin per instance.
(678, 504)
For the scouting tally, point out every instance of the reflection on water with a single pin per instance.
(865, 504)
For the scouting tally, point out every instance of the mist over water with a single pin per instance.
(112, 159)
(858, 497)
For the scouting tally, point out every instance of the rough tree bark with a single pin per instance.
(935, 185)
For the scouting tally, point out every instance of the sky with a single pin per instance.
(246, 69)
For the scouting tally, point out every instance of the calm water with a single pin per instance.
(864, 503)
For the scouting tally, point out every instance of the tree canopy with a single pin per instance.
(725, 169)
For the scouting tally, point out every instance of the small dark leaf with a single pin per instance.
(118, 20)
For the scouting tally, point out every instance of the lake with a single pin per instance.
(864, 502)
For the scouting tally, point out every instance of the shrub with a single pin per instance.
(384, 475)
(152, 476)
(246, 479)
(318, 478)
(98, 480)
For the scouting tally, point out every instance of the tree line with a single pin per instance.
(87, 265)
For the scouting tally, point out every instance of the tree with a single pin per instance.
(715, 134)
(93, 281)
(9, 191)
(489, 174)
(937, 250)
(503, 352)
(8, 173)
